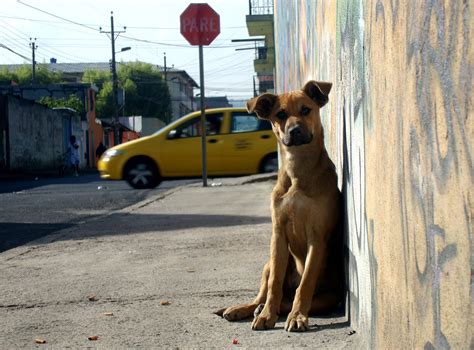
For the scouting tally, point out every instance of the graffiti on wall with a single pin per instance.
(352, 104)
(399, 128)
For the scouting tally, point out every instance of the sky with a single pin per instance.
(68, 30)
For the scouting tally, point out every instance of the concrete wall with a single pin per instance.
(399, 127)
(151, 125)
(37, 136)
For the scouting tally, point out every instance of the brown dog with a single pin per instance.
(305, 272)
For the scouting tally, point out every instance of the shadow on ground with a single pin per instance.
(122, 224)
(24, 183)
(16, 234)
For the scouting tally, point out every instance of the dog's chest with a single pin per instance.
(295, 202)
(302, 217)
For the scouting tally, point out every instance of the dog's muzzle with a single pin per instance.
(297, 136)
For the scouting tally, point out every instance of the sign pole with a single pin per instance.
(203, 118)
(200, 25)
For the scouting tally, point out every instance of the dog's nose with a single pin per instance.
(295, 131)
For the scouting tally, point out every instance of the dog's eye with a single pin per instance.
(305, 111)
(282, 115)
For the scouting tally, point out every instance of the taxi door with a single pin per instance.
(247, 141)
(182, 150)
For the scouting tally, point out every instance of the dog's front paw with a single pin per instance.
(264, 320)
(296, 322)
(237, 313)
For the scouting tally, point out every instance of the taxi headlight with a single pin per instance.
(111, 153)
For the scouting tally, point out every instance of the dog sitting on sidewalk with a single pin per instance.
(305, 273)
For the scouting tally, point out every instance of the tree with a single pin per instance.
(98, 77)
(146, 92)
(71, 102)
(23, 75)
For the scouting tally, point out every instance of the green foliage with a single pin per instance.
(146, 92)
(71, 102)
(97, 77)
(103, 102)
(6, 77)
(23, 75)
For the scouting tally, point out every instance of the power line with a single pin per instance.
(89, 25)
(16, 53)
(56, 16)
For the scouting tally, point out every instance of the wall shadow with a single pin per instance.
(13, 234)
(133, 223)
(16, 234)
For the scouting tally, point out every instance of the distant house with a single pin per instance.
(181, 87)
(180, 84)
(142, 126)
(215, 102)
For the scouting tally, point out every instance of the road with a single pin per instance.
(33, 208)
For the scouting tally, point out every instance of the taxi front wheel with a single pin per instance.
(142, 173)
(269, 164)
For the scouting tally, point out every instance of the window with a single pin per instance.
(243, 122)
(192, 128)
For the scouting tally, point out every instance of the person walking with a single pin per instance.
(73, 152)
(100, 150)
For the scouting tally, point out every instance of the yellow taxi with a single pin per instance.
(237, 144)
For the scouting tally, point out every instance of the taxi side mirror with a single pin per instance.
(172, 134)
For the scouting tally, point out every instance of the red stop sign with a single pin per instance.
(200, 24)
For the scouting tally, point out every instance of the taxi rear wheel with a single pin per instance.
(141, 172)
(269, 164)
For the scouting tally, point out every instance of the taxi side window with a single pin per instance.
(244, 122)
(192, 128)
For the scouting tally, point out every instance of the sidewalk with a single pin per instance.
(161, 267)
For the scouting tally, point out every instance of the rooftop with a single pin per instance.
(79, 68)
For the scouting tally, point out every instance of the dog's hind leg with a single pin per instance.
(240, 312)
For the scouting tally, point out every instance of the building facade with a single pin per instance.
(260, 24)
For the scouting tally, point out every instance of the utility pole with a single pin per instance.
(164, 67)
(113, 36)
(165, 75)
(33, 48)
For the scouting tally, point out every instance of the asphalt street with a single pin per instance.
(33, 207)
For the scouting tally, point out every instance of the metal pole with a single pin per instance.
(165, 70)
(33, 48)
(114, 84)
(203, 119)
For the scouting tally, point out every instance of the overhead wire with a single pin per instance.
(134, 39)
(56, 16)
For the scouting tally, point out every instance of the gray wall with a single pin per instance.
(35, 136)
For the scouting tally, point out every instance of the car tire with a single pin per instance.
(269, 164)
(141, 173)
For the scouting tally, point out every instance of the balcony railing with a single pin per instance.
(260, 7)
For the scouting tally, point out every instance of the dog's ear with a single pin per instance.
(262, 105)
(318, 91)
